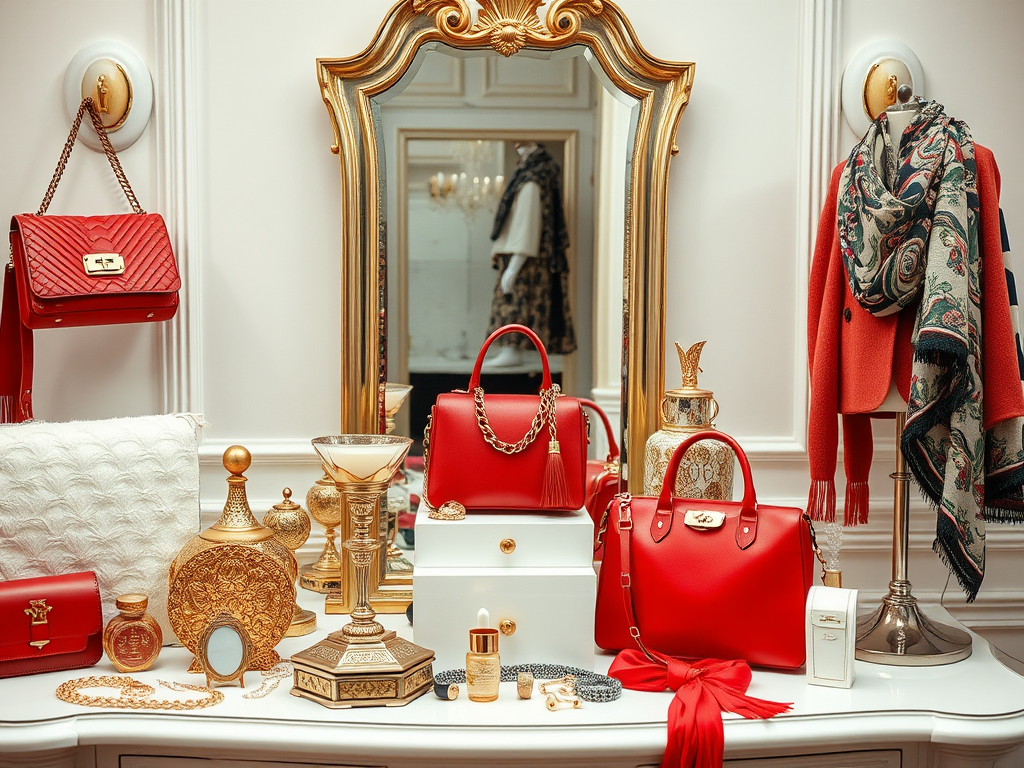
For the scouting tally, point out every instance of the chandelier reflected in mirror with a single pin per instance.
(478, 183)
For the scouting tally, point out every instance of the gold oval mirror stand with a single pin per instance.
(661, 88)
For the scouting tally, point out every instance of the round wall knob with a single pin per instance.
(508, 546)
(507, 627)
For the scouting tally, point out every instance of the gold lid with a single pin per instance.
(287, 505)
(689, 366)
(237, 523)
(132, 603)
(483, 640)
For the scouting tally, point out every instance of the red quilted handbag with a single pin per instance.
(79, 270)
(602, 477)
(468, 460)
(706, 579)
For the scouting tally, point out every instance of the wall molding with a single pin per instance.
(177, 174)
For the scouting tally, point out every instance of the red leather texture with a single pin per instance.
(53, 283)
(463, 467)
(69, 628)
(602, 481)
(733, 592)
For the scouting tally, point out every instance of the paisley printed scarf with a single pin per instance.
(908, 233)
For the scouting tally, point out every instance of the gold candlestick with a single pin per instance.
(393, 591)
(362, 664)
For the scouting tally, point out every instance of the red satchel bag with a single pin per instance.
(706, 579)
(602, 477)
(79, 270)
(50, 623)
(468, 461)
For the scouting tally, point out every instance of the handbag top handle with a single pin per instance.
(613, 448)
(746, 527)
(108, 150)
(474, 380)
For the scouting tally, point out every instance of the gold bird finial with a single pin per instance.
(688, 363)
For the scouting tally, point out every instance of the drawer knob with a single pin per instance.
(507, 627)
(508, 546)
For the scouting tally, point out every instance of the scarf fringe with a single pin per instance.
(947, 545)
(821, 501)
(855, 506)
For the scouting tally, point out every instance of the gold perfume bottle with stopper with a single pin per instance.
(291, 526)
(133, 638)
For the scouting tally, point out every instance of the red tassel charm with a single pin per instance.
(555, 494)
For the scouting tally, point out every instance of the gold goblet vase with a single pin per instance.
(362, 664)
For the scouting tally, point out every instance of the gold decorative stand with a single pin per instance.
(327, 507)
(362, 664)
(898, 632)
(393, 592)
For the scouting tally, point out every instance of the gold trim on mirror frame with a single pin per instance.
(662, 89)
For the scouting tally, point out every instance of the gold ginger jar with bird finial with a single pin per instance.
(706, 471)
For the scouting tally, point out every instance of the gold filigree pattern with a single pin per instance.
(240, 580)
(324, 652)
(313, 684)
(418, 678)
(368, 689)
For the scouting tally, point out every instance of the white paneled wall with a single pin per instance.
(239, 159)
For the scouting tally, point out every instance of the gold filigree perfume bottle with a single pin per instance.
(706, 471)
(132, 639)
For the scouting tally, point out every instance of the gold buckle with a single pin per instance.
(703, 519)
(37, 611)
(103, 264)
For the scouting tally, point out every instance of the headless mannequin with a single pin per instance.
(521, 240)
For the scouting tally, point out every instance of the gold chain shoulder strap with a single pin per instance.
(545, 414)
(108, 149)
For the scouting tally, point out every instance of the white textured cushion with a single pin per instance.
(119, 497)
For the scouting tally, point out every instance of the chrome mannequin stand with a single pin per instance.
(898, 632)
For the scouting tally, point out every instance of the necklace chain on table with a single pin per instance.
(271, 679)
(133, 694)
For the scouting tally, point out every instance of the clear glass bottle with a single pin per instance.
(483, 665)
(132, 640)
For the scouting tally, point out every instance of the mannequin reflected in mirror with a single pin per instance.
(529, 252)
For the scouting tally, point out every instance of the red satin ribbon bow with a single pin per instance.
(704, 689)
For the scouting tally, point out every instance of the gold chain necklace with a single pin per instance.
(133, 694)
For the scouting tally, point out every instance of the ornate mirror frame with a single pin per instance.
(661, 89)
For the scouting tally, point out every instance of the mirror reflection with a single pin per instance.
(506, 182)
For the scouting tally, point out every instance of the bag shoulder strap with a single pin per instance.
(15, 357)
(108, 149)
(625, 527)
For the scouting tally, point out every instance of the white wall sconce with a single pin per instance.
(118, 80)
(872, 77)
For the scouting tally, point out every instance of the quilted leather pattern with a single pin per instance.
(54, 246)
(119, 497)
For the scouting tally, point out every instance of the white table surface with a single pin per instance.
(975, 702)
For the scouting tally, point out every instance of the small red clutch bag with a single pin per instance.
(469, 461)
(49, 623)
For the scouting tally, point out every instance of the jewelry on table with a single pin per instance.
(524, 684)
(561, 693)
(450, 510)
(133, 694)
(588, 686)
(271, 679)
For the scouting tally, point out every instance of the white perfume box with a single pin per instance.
(532, 572)
(831, 636)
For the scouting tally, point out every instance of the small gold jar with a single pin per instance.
(706, 471)
(132, 639)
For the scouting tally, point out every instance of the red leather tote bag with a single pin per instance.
(698, 578)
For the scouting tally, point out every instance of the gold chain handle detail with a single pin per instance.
(545, 414)
(133, 694)
(108, 149)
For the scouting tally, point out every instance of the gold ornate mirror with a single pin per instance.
(352, 88)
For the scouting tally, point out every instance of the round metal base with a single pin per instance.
(899, 633)
(303, 623)
(319, 581)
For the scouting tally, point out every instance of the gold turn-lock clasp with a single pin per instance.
(103, 264)
(703, 519)
(39, 627)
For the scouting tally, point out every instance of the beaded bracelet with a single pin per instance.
(590, 685)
